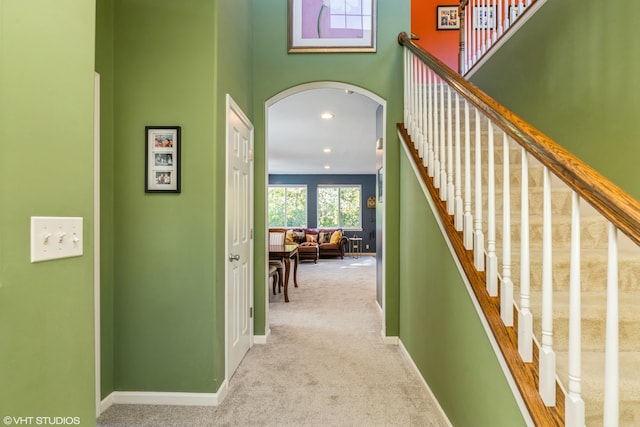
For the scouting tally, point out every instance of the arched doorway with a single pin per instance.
(306, 93)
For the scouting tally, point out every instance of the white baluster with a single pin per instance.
(406, 87)
(409, 122)
(431, 137)
(479, 30)
(506, 285)
(495, 13)
(443, 144)
(473, 30)
(464, 19)
(420, 108)
(459, 214)
(547, 386)
(414, 112)
(478, 235)
(500, 19)
(468, 218)
(492, 259)
(574, 405)
(611, 368)
(410, 90)
(525, 320)
(450, 189)
(423, 115)
(478, 16)
(507, 18)
(487, 29)
(436, 133)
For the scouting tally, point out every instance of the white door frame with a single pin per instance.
(231, 105)
(96, 237)
(302, 88)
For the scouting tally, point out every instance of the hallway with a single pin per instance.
(325, 364)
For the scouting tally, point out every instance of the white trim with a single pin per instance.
(96, 238)
(106, 403)
(165, 398)
(390, 340)
(262, 339)
(322, 85)
(503, 364)
(407, 356)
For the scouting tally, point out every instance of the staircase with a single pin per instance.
(594, 244)
(438, 131)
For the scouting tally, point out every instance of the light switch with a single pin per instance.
(55, 237)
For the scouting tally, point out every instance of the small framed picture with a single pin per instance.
(162, 159)
(484, 17)
(448, 17)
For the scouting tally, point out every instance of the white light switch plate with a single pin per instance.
(55, 237)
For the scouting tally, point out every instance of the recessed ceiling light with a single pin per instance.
(327, 167)
(327, 116)
(327, 150)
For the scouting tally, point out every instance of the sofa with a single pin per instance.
(314, 243)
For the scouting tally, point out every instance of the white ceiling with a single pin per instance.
(297, 135)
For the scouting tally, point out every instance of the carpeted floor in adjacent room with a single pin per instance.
(325, 364)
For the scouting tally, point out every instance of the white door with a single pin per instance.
(239, 236)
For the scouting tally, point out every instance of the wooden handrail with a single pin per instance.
(618, 207)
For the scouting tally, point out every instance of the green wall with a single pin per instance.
(572, 72)
(46, 169)
(439, 326)
(233, 73)
(165, 289)
(380, 73)
(104, 66)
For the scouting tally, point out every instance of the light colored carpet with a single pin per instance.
(325, 364)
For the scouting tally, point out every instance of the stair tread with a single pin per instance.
(593, 366)
(593, 303)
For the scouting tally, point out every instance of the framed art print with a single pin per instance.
(448, 18)
(162, 159)
(332, 26)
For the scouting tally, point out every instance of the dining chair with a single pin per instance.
(276, 237)
(276, 270)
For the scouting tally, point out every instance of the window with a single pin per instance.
(287, 206)
(340, 206)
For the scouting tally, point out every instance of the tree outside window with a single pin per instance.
(340, 207)
(287, 206)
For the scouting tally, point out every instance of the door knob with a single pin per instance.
(233, 257)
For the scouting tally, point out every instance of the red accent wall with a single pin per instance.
(443, 44)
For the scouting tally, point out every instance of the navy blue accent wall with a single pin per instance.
(368, 184)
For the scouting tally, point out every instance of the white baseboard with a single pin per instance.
(390, 340)
(261, 339)
(106, 403)
(407, 356)
(165, 398)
